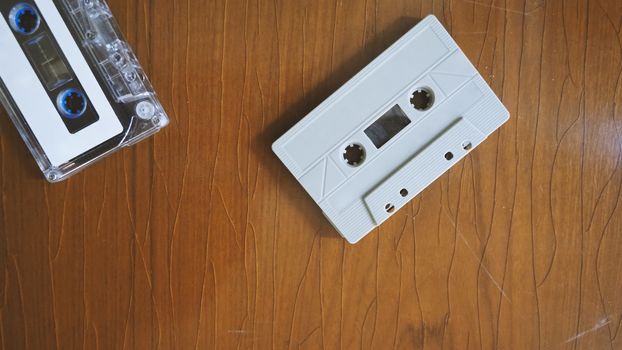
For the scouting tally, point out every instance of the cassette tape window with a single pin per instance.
(387, 126)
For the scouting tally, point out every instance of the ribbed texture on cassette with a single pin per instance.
(485, 113)
(440, 31)
(350, 223)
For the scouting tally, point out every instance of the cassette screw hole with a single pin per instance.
(467, 145)
(145, 110)
(422, 99)
(118, 60)
(53, 176)
(404, 192)
(130, 76)
(390, 208)
(354, 154)
(449, 156)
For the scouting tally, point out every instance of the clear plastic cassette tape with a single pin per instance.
(71, 84)
(392, 130)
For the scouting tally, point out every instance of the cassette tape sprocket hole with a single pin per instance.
(422, 99)
(72, 103)
(24, 19)
(354, 154)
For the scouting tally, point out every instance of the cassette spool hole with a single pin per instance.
(72, 103)
(422, 99)
(24, 19)
(354, 154)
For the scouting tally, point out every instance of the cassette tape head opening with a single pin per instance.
(412, 114)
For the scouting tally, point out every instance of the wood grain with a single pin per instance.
(199, 238)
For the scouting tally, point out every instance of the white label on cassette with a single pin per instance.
(392, 130)
(30, 96)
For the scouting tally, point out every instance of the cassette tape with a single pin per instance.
(71, 84)
(392, 130)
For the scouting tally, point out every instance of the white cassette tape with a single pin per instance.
(392, 130)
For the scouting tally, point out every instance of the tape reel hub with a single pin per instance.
(24, 19)
(354, 154)
(72, 103)
(422, 99)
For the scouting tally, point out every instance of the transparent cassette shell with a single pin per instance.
(115, 64)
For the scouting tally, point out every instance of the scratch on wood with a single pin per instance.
(20, 289)
(477, 258)
(505, 9)
(600, 324)
(305, 339)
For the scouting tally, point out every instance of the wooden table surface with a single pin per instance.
(199, 238)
